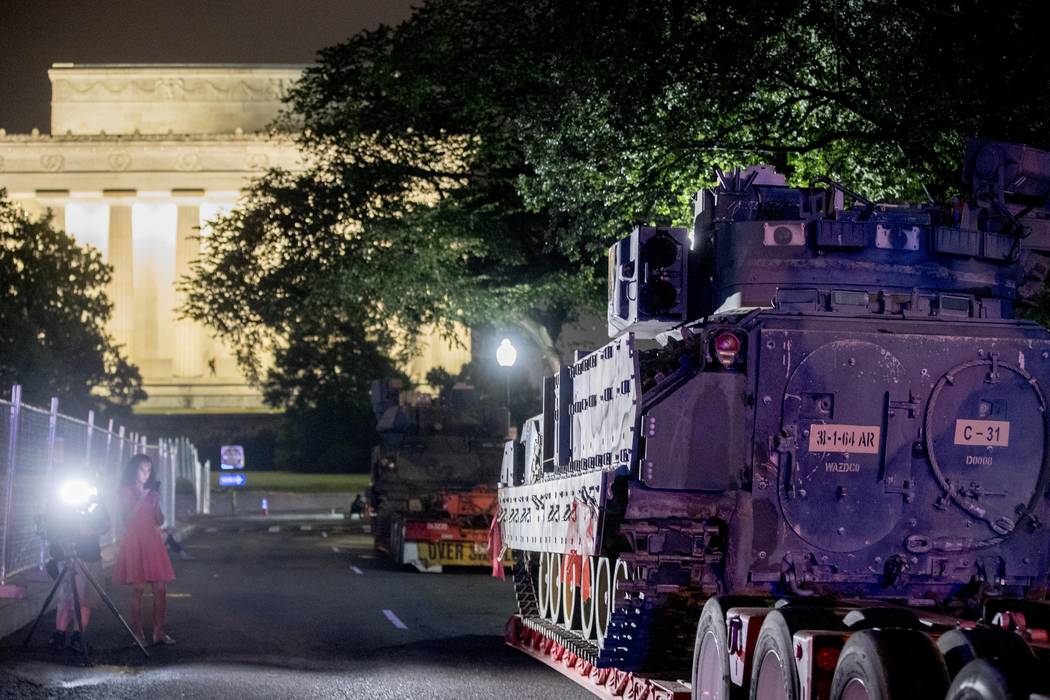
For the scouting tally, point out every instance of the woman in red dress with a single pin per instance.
(143, 558)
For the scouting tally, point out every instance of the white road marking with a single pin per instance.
(394, 620)
(324, 534)
(335, 549)
(274, 528)
(211, 530)
(356, 570)
(306, 528)
(366, 556)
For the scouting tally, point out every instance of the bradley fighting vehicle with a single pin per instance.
(828, 476)
(433, 476)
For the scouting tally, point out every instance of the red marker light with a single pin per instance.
(827, 658)
(727, 346)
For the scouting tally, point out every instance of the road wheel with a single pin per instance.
(961, 646)
(620, 574)
(570, 594)
(774, 675)
(543, 594)
(587, 604)
(711, 653)
(890, 664)
(602, 598)
(982, 679)
(554, 572)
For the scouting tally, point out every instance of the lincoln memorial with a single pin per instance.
(139, 159)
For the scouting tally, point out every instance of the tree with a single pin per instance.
(408, 204)
(53, 314)
(472, 164)
(881, 95)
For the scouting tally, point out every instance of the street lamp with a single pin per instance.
(506, 355)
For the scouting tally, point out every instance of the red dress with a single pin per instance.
(142, 558)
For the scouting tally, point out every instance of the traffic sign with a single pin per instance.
(233, 479)
(232, 457)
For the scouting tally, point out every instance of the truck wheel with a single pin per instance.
(982, 679)
(889, 664)
(961, 646)
(711, 651)
(774, 675)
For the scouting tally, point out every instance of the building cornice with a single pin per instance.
(97, 157)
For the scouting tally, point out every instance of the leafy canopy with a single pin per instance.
(53, 313)
(472, 164)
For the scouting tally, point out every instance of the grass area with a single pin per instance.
(299, 483)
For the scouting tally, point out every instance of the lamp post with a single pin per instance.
(506, 355)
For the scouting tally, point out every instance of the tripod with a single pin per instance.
(71, 568)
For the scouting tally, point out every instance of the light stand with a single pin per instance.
(71, 567)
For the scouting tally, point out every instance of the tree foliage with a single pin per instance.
(879, 94)
(472, 164)
(53, 313)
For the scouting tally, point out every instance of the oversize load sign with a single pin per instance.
(982, 433)
(449, 553)
(854, 439)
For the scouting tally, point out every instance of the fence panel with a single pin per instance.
(40, 449)
(27, 481)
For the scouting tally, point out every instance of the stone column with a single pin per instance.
(188, 351)
(55, 200)
(122, 286)
(32, 207)
(58, 216)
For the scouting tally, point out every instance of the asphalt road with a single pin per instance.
(306, 610)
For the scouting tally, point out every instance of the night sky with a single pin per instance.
(35, 34)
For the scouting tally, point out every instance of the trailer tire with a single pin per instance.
(773, 671)
(961, 646)
(889, 664)
(1002, 679)
(711, 631)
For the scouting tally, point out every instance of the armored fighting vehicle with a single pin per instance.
(433, 489)
(828, 475)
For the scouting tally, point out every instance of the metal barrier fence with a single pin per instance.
(37, 446)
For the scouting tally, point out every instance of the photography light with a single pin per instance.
(77, 492)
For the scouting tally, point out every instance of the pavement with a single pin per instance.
(292, 608)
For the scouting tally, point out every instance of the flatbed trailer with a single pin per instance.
(545, 644)
(815, 652)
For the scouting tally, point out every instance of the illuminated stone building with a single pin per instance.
(139, 158)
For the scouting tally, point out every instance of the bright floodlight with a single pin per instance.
(77, 492)
(506, 354)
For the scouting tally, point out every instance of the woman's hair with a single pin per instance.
(130, 476)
